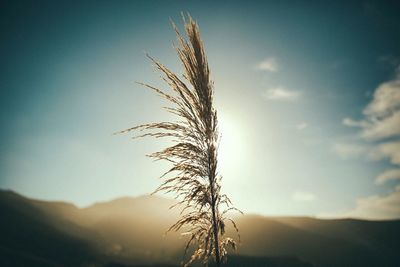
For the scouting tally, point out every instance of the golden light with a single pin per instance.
(230, 147)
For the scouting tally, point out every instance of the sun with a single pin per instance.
(230, 145)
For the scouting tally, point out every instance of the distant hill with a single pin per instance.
(130, 232)
(346, 242)
(30, 238)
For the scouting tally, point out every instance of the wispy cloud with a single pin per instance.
(383, 128)
(390, 150)
(281, 94)
(302, 196)
(392, 174)
(380, 129)
(382, 114)
(353, 123)
(301, 126)
(350, 150)
(381, 122)
(375, 152)
(376, 207)
(269, 64)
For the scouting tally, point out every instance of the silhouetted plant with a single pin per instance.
(193, 178)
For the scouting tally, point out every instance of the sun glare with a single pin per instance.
(229, 153)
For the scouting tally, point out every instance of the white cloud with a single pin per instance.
(353, 123)
(386, 99)
(392, 174)
(376, 207)
(302, 126)
(383, 128)
(303, 196)
(281, 94)
(382, 121)
(382, 114)
(348, 150)
(390, 150)
(269, 64)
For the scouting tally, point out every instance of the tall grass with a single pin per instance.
(193, 177)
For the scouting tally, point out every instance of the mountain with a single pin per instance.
(345, 242)
(131, 232)
(31, 238)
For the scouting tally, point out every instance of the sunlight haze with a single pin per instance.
(301, 91)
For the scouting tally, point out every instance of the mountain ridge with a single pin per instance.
(129, 231)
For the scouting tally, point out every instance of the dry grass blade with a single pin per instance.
(193, 175)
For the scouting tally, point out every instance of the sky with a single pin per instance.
(307, 93)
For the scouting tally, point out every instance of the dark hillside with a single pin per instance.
(131, 232)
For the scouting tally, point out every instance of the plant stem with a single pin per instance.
(211, 173)
(215, 230)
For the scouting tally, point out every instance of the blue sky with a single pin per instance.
(308, 96)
